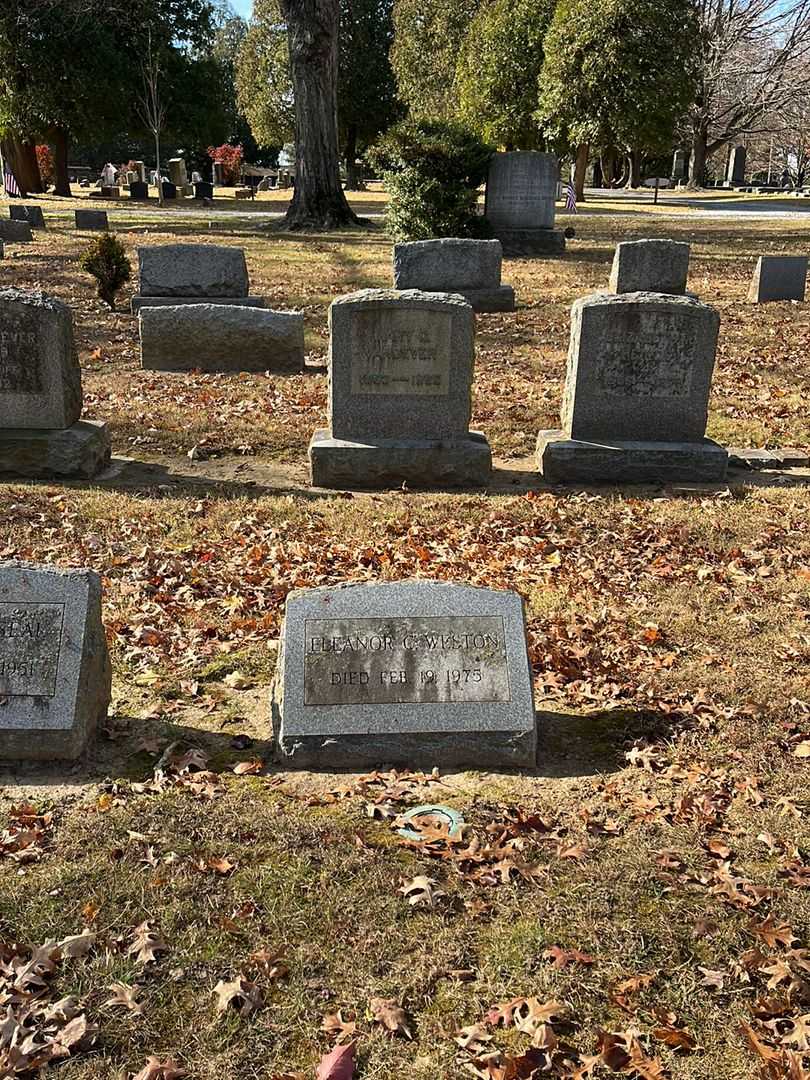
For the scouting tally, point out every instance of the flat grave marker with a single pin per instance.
(89, 220)
(779, 277)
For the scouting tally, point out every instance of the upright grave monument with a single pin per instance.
(405, 673)
(174, 274)
(636, 393)
(735, 171)
(779, 277)
(650, 266)
(520, 202)
(471, 268)
(680, 164)
(32, 214)
(220, 338)
(88, 220)
(41, 433)
(177, 172)
(400, 393)
(15, 232)
(54, 666)
(138, 189)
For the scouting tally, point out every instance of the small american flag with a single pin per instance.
(570, 197)
(9, 183)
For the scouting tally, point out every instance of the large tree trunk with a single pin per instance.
(699, 157)
(60, 162)
(634, 169)
(580, 168)
(609, 167)
(22, 158)
(318, 201)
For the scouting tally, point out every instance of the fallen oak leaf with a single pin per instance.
(155, 1069)
(126, 997)
(146, 943)
(240, 994)
(473, 1038)
(248, 768)
(270, 963)
(422, 891)
(561, 957)
(391, 1015)
(340, 1027)
(338, 1064)
(676, 1038)
(220, 865)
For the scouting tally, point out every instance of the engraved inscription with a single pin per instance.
(454, 658)
(20, 368)
(401, 352)
(645, 365)
(30, 640)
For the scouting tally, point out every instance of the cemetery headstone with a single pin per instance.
(15, 232)
(221, 338)
(404, 673)
(110, 191)
(41, 433)
(520, 197)
(203, 190)
(636, 393)
(177, 172)
(140, 168)
(680, 162)
(735, 172)
(243, 193)
(650, 266)
(400, 393)
(91, 219)
(173, 274)
(471, 268)
(219, 173)
(54, 665)
(169, 190)
(138, 190)
(32, 214)
(779, 277)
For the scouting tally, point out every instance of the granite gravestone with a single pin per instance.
(203, 190)
(32, 214)
(138, 190)
(636, 393)
(169, 190)
(54, 666)
(220, 338)
(411, 673)
(680, 162)
(91, 219)
(15, 232)
(400, 393)
(471, 268)
(650, 266)
(41, 434)
(112, 191)
(174, 274)
(779, 277)
(735, 172)
(177, 172)
(520, 197)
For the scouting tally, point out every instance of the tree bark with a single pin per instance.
(634, 169)
(580, 168)
(698, 158)
(22, 158)
(318, 201)
(60, 162)
(608, 160)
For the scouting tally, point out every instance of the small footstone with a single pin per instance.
(650, 266)
(81, 450)
(470, 268)
(416, 673)
(89, 220)
(15, 232)
(54, 666)
(32, 214)
(779, 277)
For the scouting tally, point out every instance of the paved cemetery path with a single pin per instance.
(723, 206)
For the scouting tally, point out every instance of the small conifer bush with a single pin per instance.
(106, 259)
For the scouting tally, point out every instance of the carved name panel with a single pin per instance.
(400, 352)
(30, 640)
(20, 364)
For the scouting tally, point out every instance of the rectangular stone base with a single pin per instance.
(573, 461)
(337, 463)
(81, 451)
(531, 241)
(498, 298)
(139, 302)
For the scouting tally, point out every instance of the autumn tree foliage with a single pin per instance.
(230, 157)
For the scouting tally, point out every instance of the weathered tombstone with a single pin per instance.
(203, 190)
(140, 168)
(138, 190)
(520, 197)
(404, 673)
(735, 172)
(54, 665)
(779, 277)
(471, 268)
(31, 214)
(41, 434)
(636, 393)
(219, 174)
(243, 193)
(15, 232)
(177, 172)
(210, 337)
(659, 266)
(91, 219)
(172, 274)
(169, 190)
(400, 390)
(680, 162)
(110, 192)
